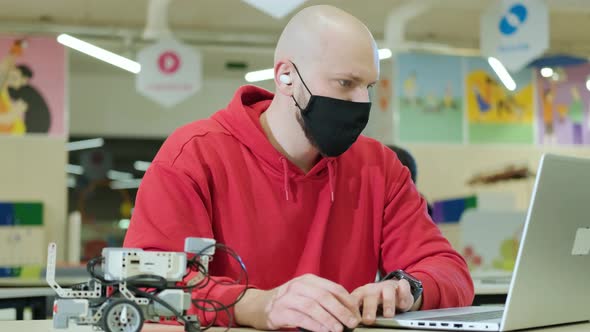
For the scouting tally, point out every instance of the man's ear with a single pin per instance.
(283, 78)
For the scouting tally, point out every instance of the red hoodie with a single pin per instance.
(344, 220)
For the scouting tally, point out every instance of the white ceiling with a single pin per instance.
(230, 30)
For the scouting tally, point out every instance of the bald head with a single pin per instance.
(327, 43)
(316, 30)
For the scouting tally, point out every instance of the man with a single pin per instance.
(37, 116)
(313, 216)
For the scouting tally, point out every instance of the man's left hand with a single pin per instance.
(392, 295)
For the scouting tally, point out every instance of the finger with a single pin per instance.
(328, 302)
(388, 294)
(404, 298)
(290, 318)
(337, 290)
(370, 304)
(316, 311)
(358, 295)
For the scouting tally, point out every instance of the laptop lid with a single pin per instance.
(551, 281)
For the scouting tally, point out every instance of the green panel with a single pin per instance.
(28, 213)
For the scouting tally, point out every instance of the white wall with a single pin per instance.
(104, 102)
(33, 169)
(108, 105)
(443, 171)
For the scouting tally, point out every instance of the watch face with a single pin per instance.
(399, 274)
(415, 284)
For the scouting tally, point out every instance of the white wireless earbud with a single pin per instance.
(285, 78)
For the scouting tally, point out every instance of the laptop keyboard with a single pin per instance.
(474, 317)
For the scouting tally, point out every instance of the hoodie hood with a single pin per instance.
(242, 119)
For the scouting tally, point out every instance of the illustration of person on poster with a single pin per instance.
(563, 106)
(548, 114)
(428, 94)
(410, 89)
(576, 114)
(32, 86)
(11, 113)
(37, 118)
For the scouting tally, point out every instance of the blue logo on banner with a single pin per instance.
(513, 19)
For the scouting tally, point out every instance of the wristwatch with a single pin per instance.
(415, 284)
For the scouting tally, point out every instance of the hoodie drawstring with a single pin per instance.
(287, 187)
(331, 179)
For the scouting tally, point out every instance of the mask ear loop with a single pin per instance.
(297, 104)
(301, 78)
(305, 85)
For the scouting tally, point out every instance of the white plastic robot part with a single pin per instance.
(122, 263)
(50, 273)
(64, 292)
(51, 256)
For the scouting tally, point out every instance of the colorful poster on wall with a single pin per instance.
(380, 125)
(32, 86)
(563, 101)
(495, 114)
(428, 92)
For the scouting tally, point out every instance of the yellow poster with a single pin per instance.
(490, 102)
(495, 114)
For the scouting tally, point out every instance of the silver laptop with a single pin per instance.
(551, 279)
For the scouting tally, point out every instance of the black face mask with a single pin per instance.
(331, 124)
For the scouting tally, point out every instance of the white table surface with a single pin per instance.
(46, 326)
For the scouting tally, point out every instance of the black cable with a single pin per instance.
(206, 277)
(216, 305)
(234, 255)
(212, 322)
(201, 269)
(90, 268)
(187, 324)
(213, 303)
(140, 280)
(99, 277)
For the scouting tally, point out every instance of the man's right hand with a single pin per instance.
(309, 302)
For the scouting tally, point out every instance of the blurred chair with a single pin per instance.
(407, 160)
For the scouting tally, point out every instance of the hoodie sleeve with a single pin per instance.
(412, 242)
(170, 206)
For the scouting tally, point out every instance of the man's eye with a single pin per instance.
(345, 83)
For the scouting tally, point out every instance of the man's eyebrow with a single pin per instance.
(353, 77)
(349, 75)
